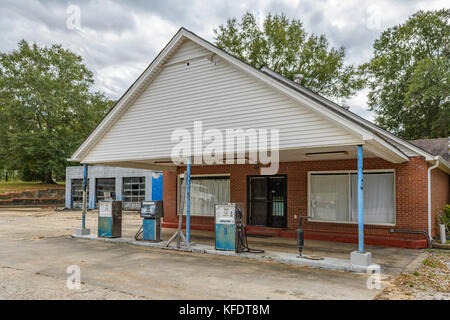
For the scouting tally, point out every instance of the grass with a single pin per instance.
(431, 280)
(430, 262)
(18, 186)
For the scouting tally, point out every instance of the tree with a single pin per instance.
(284, 46)
(4, 145)
(409, 77)
(47, 108)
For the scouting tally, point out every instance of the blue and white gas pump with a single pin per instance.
(110, 219)
(230, 228)
(225, 218)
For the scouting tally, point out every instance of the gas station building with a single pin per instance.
(131, 186)
(320, 146)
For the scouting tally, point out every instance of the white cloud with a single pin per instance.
(120, 38)
(358, 105)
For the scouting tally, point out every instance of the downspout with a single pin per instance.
(429, 196)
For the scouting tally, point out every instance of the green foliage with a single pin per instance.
(409, 77)
(284, 46)
(445, 216)
(46, 107)
(28, 174)
(447, 210)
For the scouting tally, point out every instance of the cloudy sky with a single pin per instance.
(118, 39)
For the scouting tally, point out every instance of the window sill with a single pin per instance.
(197, 215)
(353, 223)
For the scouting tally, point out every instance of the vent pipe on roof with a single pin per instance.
(344, 104)
(298, 78)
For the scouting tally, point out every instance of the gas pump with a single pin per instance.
(230, 228)
(225, 217)
(151, 212)
(110, 219)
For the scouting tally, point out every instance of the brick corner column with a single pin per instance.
(170, 195)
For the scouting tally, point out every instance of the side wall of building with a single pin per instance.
(439, 195)
(411, 199)
(96, 172)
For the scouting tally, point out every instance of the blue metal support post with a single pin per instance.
(83, 221)
(83, 231)
(360, 201)
(188, 204)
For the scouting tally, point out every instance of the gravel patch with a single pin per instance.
(429, 281)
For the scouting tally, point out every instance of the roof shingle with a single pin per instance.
(438, 147)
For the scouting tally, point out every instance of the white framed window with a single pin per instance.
(206, 192)
(333, 197)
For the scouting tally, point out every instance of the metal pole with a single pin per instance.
(360, 200)
(188, 204)
(83, 221)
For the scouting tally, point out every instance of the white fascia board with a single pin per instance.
(385, 150)
(138, 165)
(136, 159)
(443, 164)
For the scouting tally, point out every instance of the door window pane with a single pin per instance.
(258, 201)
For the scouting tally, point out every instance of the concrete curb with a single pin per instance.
(413, 265)
(439, 245)
(280, 257)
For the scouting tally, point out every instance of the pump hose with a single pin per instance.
(243, 243)
(138, 234)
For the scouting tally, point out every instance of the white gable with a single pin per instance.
(221, 96)
(188, 50)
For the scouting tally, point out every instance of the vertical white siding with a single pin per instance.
(222, 97)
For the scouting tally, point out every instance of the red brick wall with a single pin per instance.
(439, 195)
(169, 195)
(411, 194)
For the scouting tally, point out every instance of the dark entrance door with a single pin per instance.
(267, 201)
